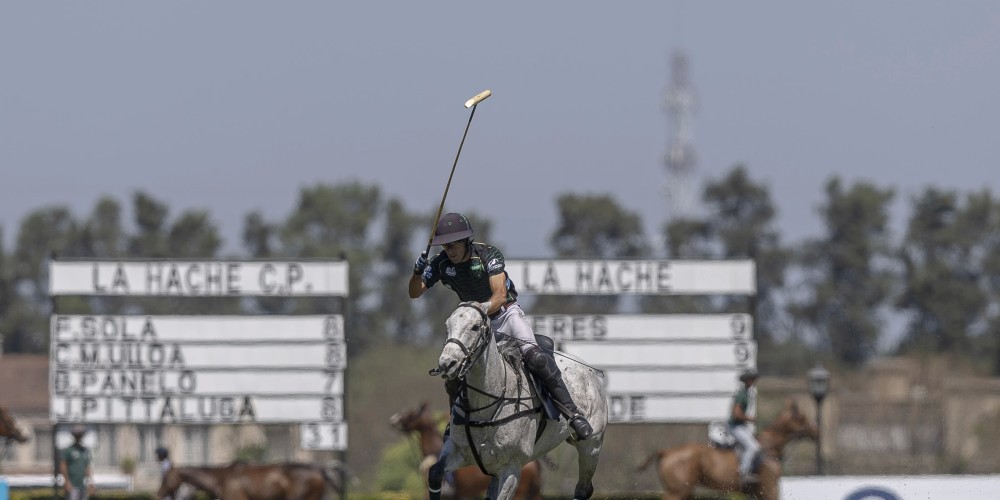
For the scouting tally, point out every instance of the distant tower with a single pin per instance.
(680, 159)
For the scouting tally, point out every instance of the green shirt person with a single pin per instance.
(741, 399)
(742, 415)
(74, 464)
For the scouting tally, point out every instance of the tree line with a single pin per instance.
(837, 297)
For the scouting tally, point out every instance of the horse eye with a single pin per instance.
(475, 328)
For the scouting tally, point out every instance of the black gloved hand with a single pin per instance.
(420, 264)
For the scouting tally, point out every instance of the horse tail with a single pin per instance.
(653, 457)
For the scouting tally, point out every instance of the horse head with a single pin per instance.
(411, 420)
(795, 424)
(468, 337)
(790, 425)
(9, 428)
(801, 426)
(420, 422)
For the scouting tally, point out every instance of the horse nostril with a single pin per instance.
(452, 364)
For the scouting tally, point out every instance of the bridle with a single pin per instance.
(479, 345)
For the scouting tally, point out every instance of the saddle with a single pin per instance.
(720, 438)
(513, 355)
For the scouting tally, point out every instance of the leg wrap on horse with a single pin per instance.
(435, 478)
(543, 365)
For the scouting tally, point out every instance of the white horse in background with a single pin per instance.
(497, 423)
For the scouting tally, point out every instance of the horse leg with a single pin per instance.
(504, 483)
(529, 487)
(587, 454)
(235, 493)
(435, 477)
(770, 474)
(446, 461)
(470, 482)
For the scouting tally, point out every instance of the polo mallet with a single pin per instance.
(471, 103)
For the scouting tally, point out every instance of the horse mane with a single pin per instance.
(511, 354)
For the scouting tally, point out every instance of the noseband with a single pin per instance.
(479, 347)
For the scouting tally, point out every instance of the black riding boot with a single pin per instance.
(543, 366)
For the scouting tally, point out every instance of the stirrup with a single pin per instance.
(581, 427)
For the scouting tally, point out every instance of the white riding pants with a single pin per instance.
(744, 436)
(513, 324)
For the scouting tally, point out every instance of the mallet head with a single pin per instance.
(478, 98)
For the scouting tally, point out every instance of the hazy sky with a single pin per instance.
(234, 106)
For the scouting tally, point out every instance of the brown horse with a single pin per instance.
(470, 482)
(684, 467)
(239, 481)
(9, 428)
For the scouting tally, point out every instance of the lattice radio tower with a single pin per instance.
(680, 159)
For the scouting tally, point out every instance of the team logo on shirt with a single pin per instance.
(450, 271)
(476, 268)
(493, 265)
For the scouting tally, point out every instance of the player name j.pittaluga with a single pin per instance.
(157, 409)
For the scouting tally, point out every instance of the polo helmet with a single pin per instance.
(452, 227)
(749, 373)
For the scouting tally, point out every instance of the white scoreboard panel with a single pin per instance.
(199, 278)
(643, 277)
(323, 436)
(201, 370)
(660, 368)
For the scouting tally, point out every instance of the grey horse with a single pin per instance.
(500, 428)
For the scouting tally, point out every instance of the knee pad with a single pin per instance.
(540, 363)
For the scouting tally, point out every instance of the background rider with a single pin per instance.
(742, 418)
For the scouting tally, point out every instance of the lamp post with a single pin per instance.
(819, 385)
